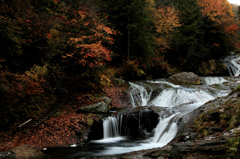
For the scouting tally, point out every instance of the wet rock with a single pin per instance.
(185, 78)
(7, 155)
(99, 108)
(139, 122)
(26, 152)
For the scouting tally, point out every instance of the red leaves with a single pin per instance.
(119, 96)
(233, 29)
(49, 36)
(53, 132)
(88, 49)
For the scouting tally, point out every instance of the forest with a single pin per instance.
(52, 49)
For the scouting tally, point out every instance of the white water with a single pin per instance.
(233, 65)
(111, 127)
(166, 130)
(165, 82)
(172, 97)
(176, 102)
(109, 140)
(214, 80)
(141, 95)
(181, 100)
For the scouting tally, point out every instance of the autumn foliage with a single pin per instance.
(89, 47)
(166, 21)
(221, 12)
(23, 96)
(216, 10)
(53, 46)
(65, 129)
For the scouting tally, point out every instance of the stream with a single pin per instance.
(176, 101)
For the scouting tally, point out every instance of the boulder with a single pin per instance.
(7, 155)
(98, 108)
(185, 78)
(26, 152)
(107, 100)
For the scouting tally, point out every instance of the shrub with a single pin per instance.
(22, 96)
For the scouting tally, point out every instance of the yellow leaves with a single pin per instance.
(105, 81)
(166, 20)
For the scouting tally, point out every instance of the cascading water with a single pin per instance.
(172, 97)
(233, 65)
(175, 102)
(112, 127)
(139, 94)
(214, 80)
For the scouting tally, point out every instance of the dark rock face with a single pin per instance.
(137, 124)
(99, 108)
(96, 131)
(185, 78)
(7, 155)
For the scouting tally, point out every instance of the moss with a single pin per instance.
(233, 144)
(236, 89)
(90, 120)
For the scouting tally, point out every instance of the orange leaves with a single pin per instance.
(166, 20)
(216, 45)
(216, 10)
(220, 12)
(88, 46)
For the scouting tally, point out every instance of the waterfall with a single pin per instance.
(173, 97)
(139, 94)
(175, 102)
(233, 65)
(112, 127)
(178, 100)
(170, 107)
(166, 130)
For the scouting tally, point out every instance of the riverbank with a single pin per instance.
(205, 137)
(66, 127)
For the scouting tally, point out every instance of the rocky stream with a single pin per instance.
(182, 117)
